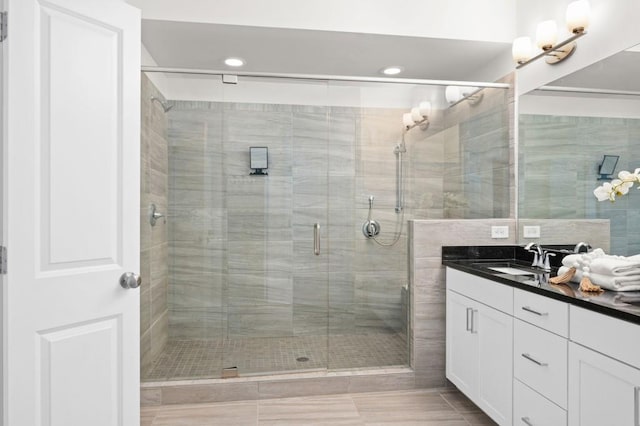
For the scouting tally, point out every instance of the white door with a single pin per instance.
(71, 146)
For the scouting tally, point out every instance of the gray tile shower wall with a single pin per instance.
(154, 168)
(241, 246)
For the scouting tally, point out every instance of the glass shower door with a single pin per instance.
(277, 257)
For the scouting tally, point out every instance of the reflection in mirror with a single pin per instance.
(565, 130)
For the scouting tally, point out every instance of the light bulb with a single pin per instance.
(415, 115)
(547, 34)
(452, 94)
(234, 62)
(425, 108)
(522, 49)
(578, 13)
(407, 121)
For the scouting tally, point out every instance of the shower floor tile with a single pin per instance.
(197, 359)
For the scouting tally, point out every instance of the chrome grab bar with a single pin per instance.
(316, 239)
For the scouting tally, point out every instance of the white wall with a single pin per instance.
(614, 27)
(485, 20)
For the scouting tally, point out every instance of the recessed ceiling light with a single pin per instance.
(392, 70)
(234, 62)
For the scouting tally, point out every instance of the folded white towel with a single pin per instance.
(618, 283)
(581, 258)
(615, 265)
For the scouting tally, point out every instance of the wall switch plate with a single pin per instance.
(531, 231)
(499, 232)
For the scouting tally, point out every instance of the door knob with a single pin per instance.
(130, 280)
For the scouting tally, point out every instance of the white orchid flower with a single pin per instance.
(605, 192)
(620, 186)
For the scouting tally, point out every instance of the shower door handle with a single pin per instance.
(316, 239)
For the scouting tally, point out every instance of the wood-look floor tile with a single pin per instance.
(316, 411)
(217, 414)
(407, 408)
(460, 402)
(479, 419)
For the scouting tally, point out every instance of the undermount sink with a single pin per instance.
(510, 271)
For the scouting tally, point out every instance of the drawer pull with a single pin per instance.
(469, 313)
(533, 311)
(636, 408)
(535, 361)
(526, 421)
(474, 326)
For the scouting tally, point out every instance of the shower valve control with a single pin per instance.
(370, 228)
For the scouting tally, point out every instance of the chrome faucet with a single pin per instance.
(538, 256)
(580, 245)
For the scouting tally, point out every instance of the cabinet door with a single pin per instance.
(462, 344)
(495, 359)
(602, 391)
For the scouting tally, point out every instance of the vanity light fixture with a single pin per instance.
(234, 62)
(577, 20)
(419, 116)
(392, 70)
(456, 94)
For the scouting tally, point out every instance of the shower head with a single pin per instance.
(165, 106)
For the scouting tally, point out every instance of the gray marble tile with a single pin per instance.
(159, 296)
(250, 289)
(196, 323)
(264, 320)
(197, 225)
(196, 191)
(310, 192)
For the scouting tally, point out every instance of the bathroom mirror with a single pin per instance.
(565, 129)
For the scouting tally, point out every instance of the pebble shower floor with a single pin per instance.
(198, 359)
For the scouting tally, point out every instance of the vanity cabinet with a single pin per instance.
(479, 342)
(527, 359)
(604, 370)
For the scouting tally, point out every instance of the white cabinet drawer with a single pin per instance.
(540, 361)
(532, 409)
(496, 295)
(617, 338)
(544, 312)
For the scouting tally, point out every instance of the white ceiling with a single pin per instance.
(278, 50)
(618, 72)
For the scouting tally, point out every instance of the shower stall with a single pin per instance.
(262, 264)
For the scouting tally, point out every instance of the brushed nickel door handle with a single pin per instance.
(129, 280)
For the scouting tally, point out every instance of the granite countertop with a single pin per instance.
(476, 260)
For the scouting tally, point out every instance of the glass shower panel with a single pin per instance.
(368, 279)
(276, 287)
